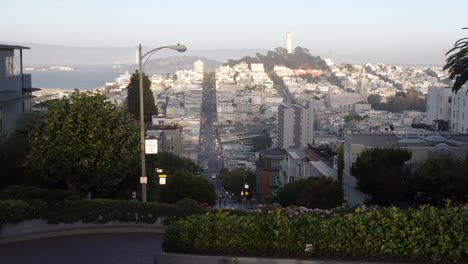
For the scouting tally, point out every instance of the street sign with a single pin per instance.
(151, 146)
(162, 179)
(143, 180)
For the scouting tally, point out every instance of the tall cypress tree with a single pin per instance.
(133, 97)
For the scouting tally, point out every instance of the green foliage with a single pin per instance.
(85, 144)
(14, 150)
(13, 211)
(183, 184)
(21, 192)
(352, 117)
(457, 63)
(234, 181)
(299, 59)
(323, 192)
(380, 173)
(261, 143)
(426, 234)
(189, 206)
(209, 80)
(289, 193)
(441, 178)
(88, 211)
(400, 102)
(133, 97)
(320, 192)
(375, 101)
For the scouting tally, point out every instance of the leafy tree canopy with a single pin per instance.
(261, 143)
(323, 192)
(183, 184)
(400, 102)
(234, 181)
(85, 144)
(133, 96)
(14, 150)
(299, 59)
(440, 178)
(380, 173)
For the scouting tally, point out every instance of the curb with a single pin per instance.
(172, 258)
(82, 231)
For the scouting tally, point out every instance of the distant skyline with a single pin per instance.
(404, 32)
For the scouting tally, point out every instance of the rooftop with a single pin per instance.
(10, 47)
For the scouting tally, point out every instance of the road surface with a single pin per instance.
(122, 248)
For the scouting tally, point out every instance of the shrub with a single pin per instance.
(13, 211)
(189, 206)
(22, 192)
(426, 234)
(87, 211)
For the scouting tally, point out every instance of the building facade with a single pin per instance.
(15, 88)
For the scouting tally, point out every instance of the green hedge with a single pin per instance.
(424, 234)
(24, 192)
(89, 211)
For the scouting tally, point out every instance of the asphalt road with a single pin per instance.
(124, 248)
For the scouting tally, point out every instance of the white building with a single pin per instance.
(438, 104)
(459, 117)
(295, 125)
(199, 66)
(285, 126)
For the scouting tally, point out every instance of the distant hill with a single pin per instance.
(299, 59)
(170, 64)
(49, 55)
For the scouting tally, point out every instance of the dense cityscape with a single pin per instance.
(275, 156)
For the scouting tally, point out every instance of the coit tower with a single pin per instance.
(289, 42)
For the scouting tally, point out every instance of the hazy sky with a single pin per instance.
(408, 31)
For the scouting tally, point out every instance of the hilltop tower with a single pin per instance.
(289, 42)
(363, 84)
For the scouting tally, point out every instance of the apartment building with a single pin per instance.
(15, 88)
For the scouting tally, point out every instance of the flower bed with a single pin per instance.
(424, 234)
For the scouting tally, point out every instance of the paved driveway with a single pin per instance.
(135, 248)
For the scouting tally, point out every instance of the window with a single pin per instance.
(9, 66)
(169, 138)
(170, 148)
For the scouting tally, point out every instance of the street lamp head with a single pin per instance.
(178, 47)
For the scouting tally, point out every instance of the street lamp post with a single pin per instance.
(143, 178)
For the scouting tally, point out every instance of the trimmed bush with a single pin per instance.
(12, 211)
(189, 206)
(23, 192)
(88, 211)
(424, 234)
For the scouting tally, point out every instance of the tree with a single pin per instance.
(133, 97)
(289, 193)
(85, 144)
(183, 184)
(234, 181)
(352, 117)
(457, 63)
(441, 178)
(261, 143)
(375, 101)
(380, 173)
(323, 192)
(14, 150)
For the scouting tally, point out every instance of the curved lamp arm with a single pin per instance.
(178, 47)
